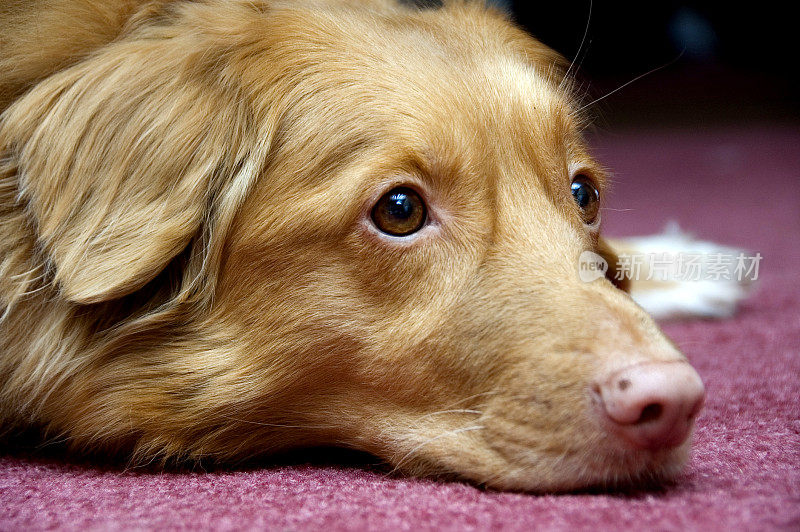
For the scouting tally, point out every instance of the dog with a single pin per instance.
(230, 228)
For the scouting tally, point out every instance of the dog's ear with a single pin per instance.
(119, 159)
(615, 274)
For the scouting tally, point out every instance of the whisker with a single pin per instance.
(453, 411)
(281, 425)
(580, 46)
(431, 440)
(410, 425)
(471, 397)
(637, 78)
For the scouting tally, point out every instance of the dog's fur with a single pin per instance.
(187, 263)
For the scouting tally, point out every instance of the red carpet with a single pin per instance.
(741, 187)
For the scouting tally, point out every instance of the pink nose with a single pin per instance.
(652, 405)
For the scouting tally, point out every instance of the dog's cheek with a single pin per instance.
(614, 273)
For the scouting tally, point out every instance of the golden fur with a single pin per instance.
(187, 268)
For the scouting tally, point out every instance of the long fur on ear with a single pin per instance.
(116, 164)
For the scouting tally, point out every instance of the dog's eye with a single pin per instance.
(586, 196)
(400, 212)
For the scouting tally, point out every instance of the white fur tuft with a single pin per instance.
(706, 297)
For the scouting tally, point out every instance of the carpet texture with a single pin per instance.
(737, 186)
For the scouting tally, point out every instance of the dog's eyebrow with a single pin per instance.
(598, 174)
(423, 4)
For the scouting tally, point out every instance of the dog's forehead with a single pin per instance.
(462, 86)
(494, 85)
(465, 86)
(493, 67)
(496, 112)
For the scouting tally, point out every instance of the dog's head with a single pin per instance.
(347, 225)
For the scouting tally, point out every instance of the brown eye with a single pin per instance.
(400, 212)
(586, 197)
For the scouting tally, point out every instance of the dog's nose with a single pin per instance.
(652, 405)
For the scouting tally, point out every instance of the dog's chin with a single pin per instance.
(641, 470)
(598, 470)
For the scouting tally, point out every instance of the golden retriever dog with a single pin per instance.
(237, 227)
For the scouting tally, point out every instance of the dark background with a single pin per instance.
(719, 62)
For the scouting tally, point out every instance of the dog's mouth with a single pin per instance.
(499, 453)
(596, 468)
(586, 460)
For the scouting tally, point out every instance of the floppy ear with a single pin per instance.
(605, 249)
(118, 160)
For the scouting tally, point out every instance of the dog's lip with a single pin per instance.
(593, 419)
(601, 465)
